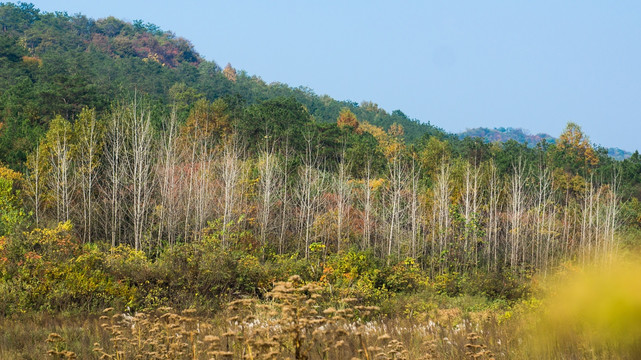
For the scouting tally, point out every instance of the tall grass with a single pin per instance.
(591, 312)
(24, 336)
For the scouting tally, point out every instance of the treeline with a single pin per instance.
(268, 179)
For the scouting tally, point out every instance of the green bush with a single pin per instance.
(450, 284)
(362, 275)
(46, 269)
(504, 284)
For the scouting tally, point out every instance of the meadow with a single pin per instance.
(579, 312)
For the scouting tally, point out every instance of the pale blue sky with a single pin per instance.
(458, 64)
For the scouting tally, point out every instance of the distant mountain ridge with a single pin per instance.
(503, 134)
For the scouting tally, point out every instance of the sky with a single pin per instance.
(457, 64)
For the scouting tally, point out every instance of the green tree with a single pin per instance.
(280, 120)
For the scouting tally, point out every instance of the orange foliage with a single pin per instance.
(347, 118)
(230, 73)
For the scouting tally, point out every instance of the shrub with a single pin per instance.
(404, 276)
(502, 284)
(449, 284)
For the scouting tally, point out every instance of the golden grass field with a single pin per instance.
(590, 312)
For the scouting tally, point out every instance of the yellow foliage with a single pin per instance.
(376, 131)
(153, 57)
(595, 312)
(32, 60)
(434, 154)
(577, 146)
(11, 175)
(391, 142)
(376, 184)
(206, 120)
(53, 243)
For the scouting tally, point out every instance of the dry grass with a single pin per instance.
(25, 336)
(292, 324)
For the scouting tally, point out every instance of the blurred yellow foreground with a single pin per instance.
(593, 312)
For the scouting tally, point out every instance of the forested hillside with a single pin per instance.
(56, 64)
(136, 174)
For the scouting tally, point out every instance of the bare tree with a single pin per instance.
(89, 145)
(35, 181)
(191, 177)
(285, 199)
(441, 216)
(268, 169)
(492, 232)
(395, 189)
(415, 208)
(312, 183)
(203, 192)
(343, 198)
(470, 209)
(611, 216)
(230, 172)
(516, 211)
(139, 161)
(169, 180)
(367, 230)
(115, 175)
(540, 247)
(58, 142)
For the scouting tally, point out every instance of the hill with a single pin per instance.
(54, 63)
(522, 136)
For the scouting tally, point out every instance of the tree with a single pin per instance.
(89, 142)
(277, 120)
(206, 122)
(268, 169)
(230, 73)
(441, 217)
(343, 190)
(346, 118)
(230, 169)
(36, 181)
(11, 213)
(58, 146)
(183, 97)
(470, 211)
(114, 177)
(170, 179)
(515, 213)
(575, 151)
(139, 164)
